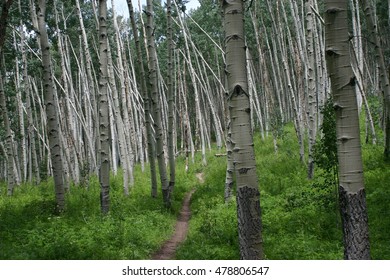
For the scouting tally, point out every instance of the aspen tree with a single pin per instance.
(358, 68)
(248, 195)
(276, 77)
(265, 80)
(372, 26)
(357, 49)
(311, 90)
(352, 196)
(22, 166)
(123, 153)
(53, 127)
(147, 106)
(89, 86)
(104, 123)
(200, 129)
(9, 141)
(187, 140)
(8, 136)
(122, 124)
(31, 155)
(69, 128)
(153, 80)
(171, 99)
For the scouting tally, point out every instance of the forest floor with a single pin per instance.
(168, 249)
(300, 217)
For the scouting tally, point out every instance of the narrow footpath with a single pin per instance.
(168, 250)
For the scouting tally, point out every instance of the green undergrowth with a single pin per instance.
(300, 216)
(136, 226)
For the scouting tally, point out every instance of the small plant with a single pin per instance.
(325, 158)
(325, 149)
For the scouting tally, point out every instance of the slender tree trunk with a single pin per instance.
(104, 122)
(357, 49)
(53, 127)
(9, 142)
(372, 26)
(23, 141)
(122, 124)
(312, 90)
(351, 184)
(89, 86)
(171, 101)
(147, 107)
(153, 80)
(68, 121)
(248, 195)
(3, 105)
(200, 129)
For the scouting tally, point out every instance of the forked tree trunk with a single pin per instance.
(53, 127)
(351, 185)
(104, 123)
(248, 195)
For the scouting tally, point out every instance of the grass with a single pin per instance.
(300, 217)
(135, 227)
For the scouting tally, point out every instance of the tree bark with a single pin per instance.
(248, 195)
(104, 123)
(146, 98)
(9, 142)
(90, 90)
(53, 128)
(312, 90)
(351, 183)
(153, 80)
(171, 100)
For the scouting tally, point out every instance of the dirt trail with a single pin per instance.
(168, 250)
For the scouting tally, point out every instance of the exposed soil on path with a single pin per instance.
(168, 250)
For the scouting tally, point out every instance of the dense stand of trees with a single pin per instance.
(84, 91)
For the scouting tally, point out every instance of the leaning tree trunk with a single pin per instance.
(53, 128)
(351, 185)
(104, 123)
(248, 195)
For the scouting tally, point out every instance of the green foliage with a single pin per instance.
(135, 227)
(325, 183)
(297, 221)
(300, 217)
(213, 226)
(376, 181)
(325, 149)
(376, 108)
